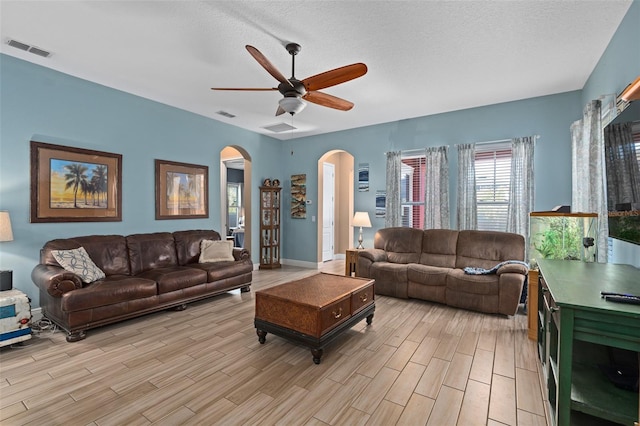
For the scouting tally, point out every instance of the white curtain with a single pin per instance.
(521, 187)
(392, 207)
(436, 188)
(467, 211)
(588, 181)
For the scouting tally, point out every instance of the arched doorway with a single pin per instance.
(342, 165)
(235, 195)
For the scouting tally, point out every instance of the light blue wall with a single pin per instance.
(620, 63)
(618, 66)
(548, 116)
(40, 104)
(44, 105)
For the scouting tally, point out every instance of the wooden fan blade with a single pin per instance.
(328, 101)
(335, 76)
(246, 88)
(271, 69)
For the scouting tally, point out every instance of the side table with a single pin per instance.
(15, 315)
(351, 262)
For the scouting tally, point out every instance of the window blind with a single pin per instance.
(493, 171)
(412, 191)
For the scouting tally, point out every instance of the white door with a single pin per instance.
(328, 189)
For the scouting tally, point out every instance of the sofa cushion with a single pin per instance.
(439, 247)
(108, 252)
(78, 262)
(174, 278)
(476, 284)
(216, 251)
(391, 278)
(485, 249)
(403, 245)
(429, 275)
(427, 282)
(221, 270)
(111, 290)
(188, 244)
(151, 251)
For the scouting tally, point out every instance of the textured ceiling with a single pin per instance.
(424, 57)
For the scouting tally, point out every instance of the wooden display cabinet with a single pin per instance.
(270, 227)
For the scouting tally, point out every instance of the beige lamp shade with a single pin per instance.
(362, 219)
(6, 234)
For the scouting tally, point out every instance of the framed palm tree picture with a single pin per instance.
(181, 190)
(71, 184)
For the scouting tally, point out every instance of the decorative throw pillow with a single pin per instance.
(216, 251)
(78, 262)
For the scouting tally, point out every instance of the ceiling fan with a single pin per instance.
(294, 90)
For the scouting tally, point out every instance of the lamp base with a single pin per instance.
(6, 280)
(360, 246)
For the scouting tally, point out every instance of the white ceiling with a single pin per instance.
(424, 57)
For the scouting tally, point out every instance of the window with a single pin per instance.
(493, 171)
(412, 176)
(235, 211)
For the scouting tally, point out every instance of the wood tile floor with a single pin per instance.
(418, 363)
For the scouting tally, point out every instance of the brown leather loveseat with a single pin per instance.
(429, 265)
(143, 273)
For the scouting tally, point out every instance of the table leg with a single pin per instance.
(369, 319)
(317, 354)
(262, 335)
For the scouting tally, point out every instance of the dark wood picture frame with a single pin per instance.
(71, 184)
(182, 190)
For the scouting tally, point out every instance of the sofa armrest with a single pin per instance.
(515, 268)
(510, 285)
(366, 258)
(55, 280)
(374, 255)
(241, 253)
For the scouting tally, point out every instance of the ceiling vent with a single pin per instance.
(28, 48)
(279, 128)
(225, 114)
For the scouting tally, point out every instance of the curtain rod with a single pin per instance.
(420, 150)
(535, 138)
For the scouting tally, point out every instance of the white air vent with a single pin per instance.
(225, 114)
(28, 48)
(279, 128)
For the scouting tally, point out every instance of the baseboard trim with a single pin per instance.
(36, 314)
(300, 263)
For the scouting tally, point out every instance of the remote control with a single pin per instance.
(623, 299)
(608, 293)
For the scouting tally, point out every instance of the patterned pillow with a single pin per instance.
(216, 251)
(78, 262)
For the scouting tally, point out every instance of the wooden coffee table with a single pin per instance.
(314, 310)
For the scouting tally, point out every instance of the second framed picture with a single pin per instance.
(182, 190)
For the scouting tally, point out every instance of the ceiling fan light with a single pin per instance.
(292, 105)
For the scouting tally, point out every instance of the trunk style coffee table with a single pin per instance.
(314, 310)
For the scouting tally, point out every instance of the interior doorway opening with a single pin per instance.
(235, 196)
(341, 196)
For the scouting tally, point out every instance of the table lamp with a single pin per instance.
(6, 277)
(361, 219)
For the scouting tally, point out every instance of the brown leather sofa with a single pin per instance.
(429, 265)
(144, 273)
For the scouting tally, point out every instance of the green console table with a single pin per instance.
(572, 312)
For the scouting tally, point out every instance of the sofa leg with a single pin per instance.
(75, 336)
(245, 289)
(180, 307)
